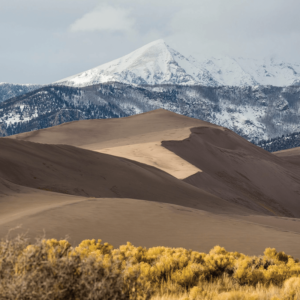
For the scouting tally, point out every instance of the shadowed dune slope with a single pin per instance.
(70, 170)
(240, 172)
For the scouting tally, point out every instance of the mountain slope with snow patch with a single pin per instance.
(10, 90)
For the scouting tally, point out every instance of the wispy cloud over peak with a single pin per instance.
(105, 18)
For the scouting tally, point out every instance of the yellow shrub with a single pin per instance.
(51, 269)
(238, 295)
(292, 284)
(195, 292)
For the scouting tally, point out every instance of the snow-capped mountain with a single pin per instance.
(157, 63)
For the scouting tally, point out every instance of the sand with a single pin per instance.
(16, 206)
(17, 202)
(80, 172)
(291, 156)
(239, 171)
(138, 138)
(288, 152)
(64, 180)
(150, 224)
(153, 154)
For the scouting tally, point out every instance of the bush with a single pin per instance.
(51, 269)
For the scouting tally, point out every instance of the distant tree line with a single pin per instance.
(284, 142)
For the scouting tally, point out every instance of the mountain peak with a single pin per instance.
(157, 42)
(158, 63)
(154, 63)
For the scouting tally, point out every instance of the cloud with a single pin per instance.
(98, 34)
(105, 18)
(237, 28)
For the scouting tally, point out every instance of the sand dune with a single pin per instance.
(292, 156)
(137, 138)
(240, 172)
(288, 152)
(75, 171)
(234, 193)
(232, 168)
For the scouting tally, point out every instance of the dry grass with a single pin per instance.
(51, 269)
(225, 289)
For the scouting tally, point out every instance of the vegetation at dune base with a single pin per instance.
(51, 269)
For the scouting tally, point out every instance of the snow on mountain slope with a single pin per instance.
(157, 63)
(226, 71)
(10, 90)
(154, 63)
(271, 72)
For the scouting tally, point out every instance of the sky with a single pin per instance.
(45, 41)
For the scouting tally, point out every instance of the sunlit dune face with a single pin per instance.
(146, 148)
(155, 155)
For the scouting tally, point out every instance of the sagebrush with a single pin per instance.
(51, 269)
